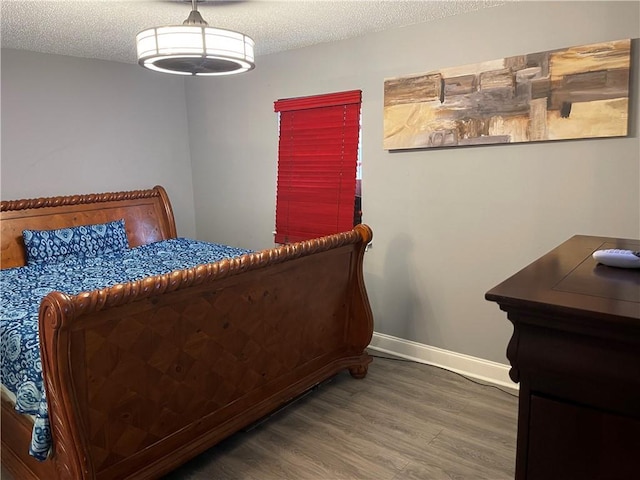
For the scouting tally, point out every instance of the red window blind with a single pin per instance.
(317, 157)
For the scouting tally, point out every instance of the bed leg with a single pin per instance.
(358, 371)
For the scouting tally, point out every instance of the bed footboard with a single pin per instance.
(143, 376)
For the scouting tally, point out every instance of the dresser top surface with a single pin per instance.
(568, 279)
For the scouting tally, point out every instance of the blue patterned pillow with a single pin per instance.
(44, 246)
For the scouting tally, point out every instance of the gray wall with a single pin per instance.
(72, 125)
(448, 224)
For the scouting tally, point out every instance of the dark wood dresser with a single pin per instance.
(575, 351)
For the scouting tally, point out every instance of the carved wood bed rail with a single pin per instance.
(143, 376)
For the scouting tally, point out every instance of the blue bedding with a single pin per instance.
(22, 289)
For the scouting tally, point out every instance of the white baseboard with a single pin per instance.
(478, 368)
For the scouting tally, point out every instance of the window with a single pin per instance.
(317, 163)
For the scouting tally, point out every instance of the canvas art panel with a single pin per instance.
(571, 93)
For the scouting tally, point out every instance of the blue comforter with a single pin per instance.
(22, 289)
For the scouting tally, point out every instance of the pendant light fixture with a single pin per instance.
(195, 48)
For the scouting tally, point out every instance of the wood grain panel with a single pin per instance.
(147, 214)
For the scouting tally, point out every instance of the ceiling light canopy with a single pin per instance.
(195, 48)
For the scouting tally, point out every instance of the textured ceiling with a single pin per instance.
(106, 29)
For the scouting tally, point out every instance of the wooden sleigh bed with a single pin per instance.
(260, 330)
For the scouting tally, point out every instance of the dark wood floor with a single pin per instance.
(404, 421)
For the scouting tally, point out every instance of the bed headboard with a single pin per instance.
(147, 214)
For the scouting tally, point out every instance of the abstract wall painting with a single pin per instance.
(570, 93)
